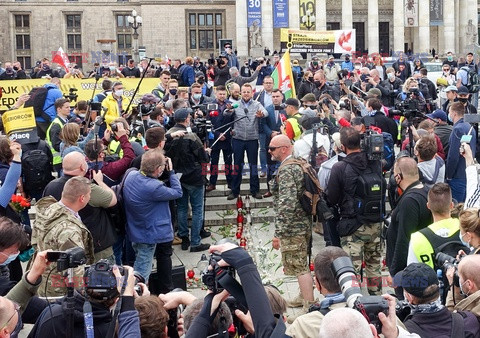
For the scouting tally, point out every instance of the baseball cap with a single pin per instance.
(182, 114)
(451, 89)
(374, 92)
(415, 278)
(199, 74)
(292, 102)
(336, 139)
(307, 122)
(150, 98)
(462, 90)
(307, 113)
(310, 97)
(438, 114)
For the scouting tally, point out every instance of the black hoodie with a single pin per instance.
(44, 327)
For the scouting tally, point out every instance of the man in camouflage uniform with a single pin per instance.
(292, 224)
(361, 240)
(58, 227)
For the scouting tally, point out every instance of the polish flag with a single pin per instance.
(61, 58)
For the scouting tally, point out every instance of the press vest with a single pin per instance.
(57, 158)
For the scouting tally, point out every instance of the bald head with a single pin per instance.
(407, 166)
(280, 147)
(7, 314)
(345, 322)
(468, 268)
(74, 164)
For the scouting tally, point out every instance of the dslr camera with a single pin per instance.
(368, 306)
(211, 277)
(146, 109)
(70, 258)
(446, 262)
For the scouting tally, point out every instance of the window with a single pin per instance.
(333, 26)
(360, 36)
(22, 21)
(25, 61)
(384, 37)
(204, 31)
(124, 41)
(73, 21)
(122, 20)
(74, 41)
(23, 41)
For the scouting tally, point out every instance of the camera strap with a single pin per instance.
(111, 328)
(88, 319)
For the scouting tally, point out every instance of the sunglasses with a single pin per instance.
(274, 148)
(446, 69)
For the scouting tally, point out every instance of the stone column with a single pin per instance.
(347, 16)
(448, 26)
(293, 14)
(242, 29)
(462, 24)
(321, 15)
(267, 24)
(423, 26)
(372, 26)
(398, 25)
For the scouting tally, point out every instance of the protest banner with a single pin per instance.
(19, 124)
(302, 41)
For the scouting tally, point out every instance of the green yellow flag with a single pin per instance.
(283, 76)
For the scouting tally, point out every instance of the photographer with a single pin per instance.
(221, 70)
(390, 88)
(359, 227)
(115, 103)
(465, 296)
(428, 317)
(411, 92)
(148, 220)
(256, 297)
(102, 298)
(303, 146)
(323, 87)
(95, 152)
(190, 159)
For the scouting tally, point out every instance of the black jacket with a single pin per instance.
(390, 91)
(410, 215)
(54, 324)
(387, 125)
(305, 88)
(188, 156)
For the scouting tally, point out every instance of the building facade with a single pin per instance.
(33, 29)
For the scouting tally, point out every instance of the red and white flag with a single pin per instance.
(61, 58)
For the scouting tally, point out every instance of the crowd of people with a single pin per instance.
(393, 153)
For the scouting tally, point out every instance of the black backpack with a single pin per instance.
(369, 194)
(473, 80)
(38, 95)
(36, 169)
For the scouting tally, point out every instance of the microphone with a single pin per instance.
(246, 113)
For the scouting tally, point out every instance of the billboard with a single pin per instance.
(302, 41)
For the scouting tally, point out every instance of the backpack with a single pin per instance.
(317, 155)
(388, 151)
(181, 83)
(312, 200)
(35, 169)
(117, 212)
(38, 95)
(473, 81)
(448, 245)
(369, 194)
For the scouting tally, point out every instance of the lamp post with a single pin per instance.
(308, 20)
(135, 21)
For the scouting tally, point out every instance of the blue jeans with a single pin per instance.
(214, 168)
(144, 259)
(195, 194)
(239, 148)
(459, 189)
(262, 137)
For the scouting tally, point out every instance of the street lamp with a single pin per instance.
(135, 21)
(308, 20)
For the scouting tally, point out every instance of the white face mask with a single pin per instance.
(390, 75)
(119, 92)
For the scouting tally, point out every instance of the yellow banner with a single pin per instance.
(12, 89)
(20, 124)
(300, 36)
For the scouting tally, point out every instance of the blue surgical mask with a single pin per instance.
(449, 118)
(166, 119)
(10, 259)
(461, 237)
(197, 96)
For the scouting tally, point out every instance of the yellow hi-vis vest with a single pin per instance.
(445, 230)
(57, 158)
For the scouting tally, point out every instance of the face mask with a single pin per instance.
(449, 118)
(119, 92)
(462, 99)
(9, 70)
(197, 96)
(131, 67)
(166, 119)
(449, 58)
(317, 83)
(310, 79)
(331, 63)
(10, 259)
(390, 75)
(347, 59)
(462, 240)
(173, 91)
(357, 67)
(112, 68)
(315, 63)
(201, 80)
(461, 289)
(15, 68)
(46, 67)
(82, 115)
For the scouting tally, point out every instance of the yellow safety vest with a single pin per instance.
(295, 126)
(421, 246)
(57, 158)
